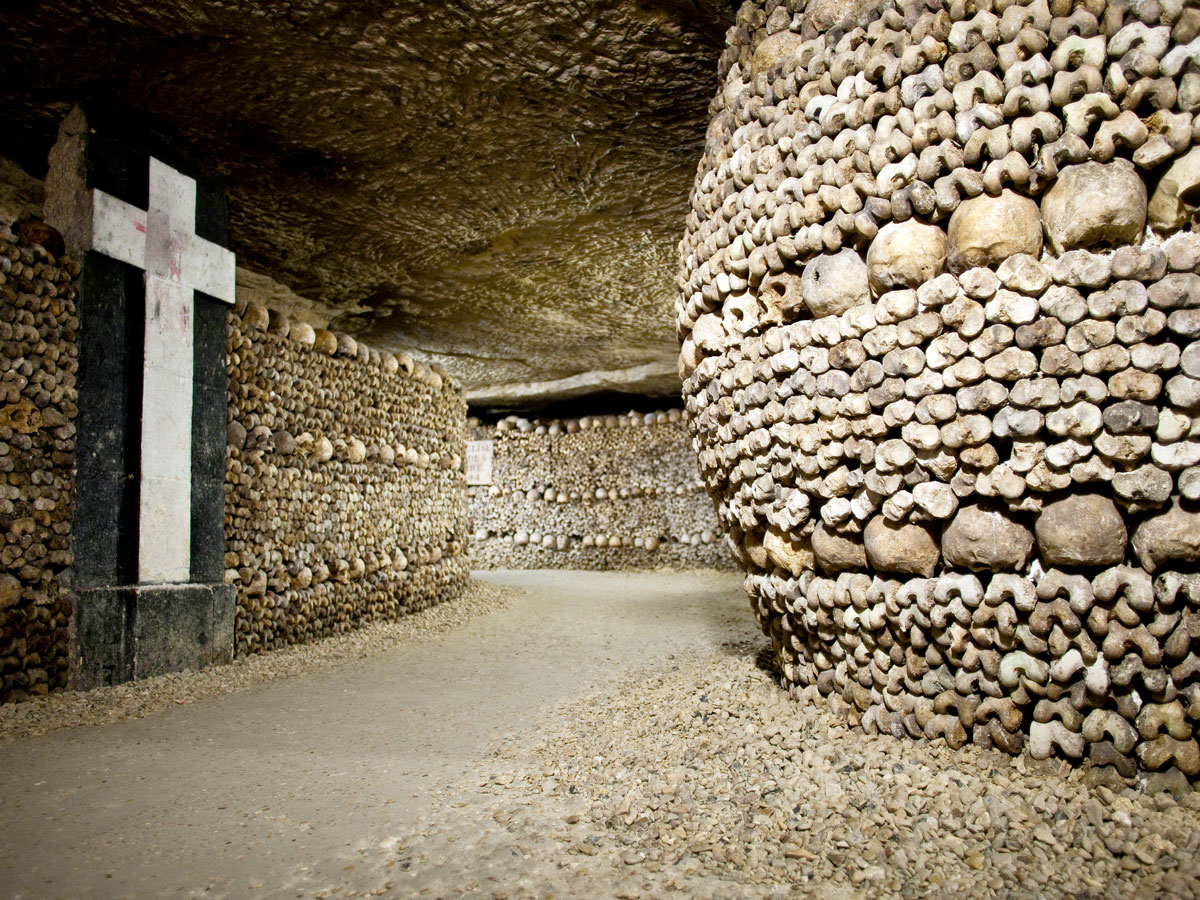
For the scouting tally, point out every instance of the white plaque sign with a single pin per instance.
(479, 462)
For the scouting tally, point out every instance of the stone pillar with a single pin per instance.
(940, 341)
(136, 613)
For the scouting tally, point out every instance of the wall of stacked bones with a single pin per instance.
(38, 356)
(345, 488)
(939, 311)
(597, 492)
(345, 493)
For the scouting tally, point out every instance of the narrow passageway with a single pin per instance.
(276, 789)
(585, 735)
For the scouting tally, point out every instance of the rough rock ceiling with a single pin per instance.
(499, 183)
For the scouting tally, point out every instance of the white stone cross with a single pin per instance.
(162, 240)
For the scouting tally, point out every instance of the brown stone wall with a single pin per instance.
(345, 495)
(345, 499)
(939, 310)
(598, 492)
(38, 354)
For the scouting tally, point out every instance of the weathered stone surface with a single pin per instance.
(985, 230)
(1172, 535)
(1174, 200)
(905, 255)
(893, 547)
(837, 552)
(20, 195)
(1094, 205)
(10, 591)
(1081, 530)
(985, 538)
(791, 555)
(834, 282)
(649, 379)
(499, 187)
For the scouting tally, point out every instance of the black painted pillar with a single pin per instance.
(125, 628)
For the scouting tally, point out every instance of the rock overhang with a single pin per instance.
(497, 186)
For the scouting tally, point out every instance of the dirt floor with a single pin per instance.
(283, 787)
(584, 735)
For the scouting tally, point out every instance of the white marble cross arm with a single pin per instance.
(162, 240)
(118, 229)
(214, 271)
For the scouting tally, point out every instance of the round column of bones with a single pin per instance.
(938, 313)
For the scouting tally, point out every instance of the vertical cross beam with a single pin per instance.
(150, 433)
(163, 242)
(164, 533)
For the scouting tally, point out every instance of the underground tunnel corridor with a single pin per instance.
(605, 448)
(289, 784)
(552, 735)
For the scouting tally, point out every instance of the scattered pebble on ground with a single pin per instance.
(700, 777)
(704, 779)
(142, 698)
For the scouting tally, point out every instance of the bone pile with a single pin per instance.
(597, 492)
(939, 309)
(38, 359)
(345, 491)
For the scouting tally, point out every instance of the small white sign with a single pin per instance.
(479, 462)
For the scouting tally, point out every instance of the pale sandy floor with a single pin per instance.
(274, 789)
(597, 735)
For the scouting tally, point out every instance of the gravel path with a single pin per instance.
(142, 698)
(303, 786)
(637, 750)
(704, 779)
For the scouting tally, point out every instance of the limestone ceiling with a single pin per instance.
(500, 184)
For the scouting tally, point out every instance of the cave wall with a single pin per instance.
(938, 316)
(38, 362)
(368, 202)
(595, 492)
(345, 498)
